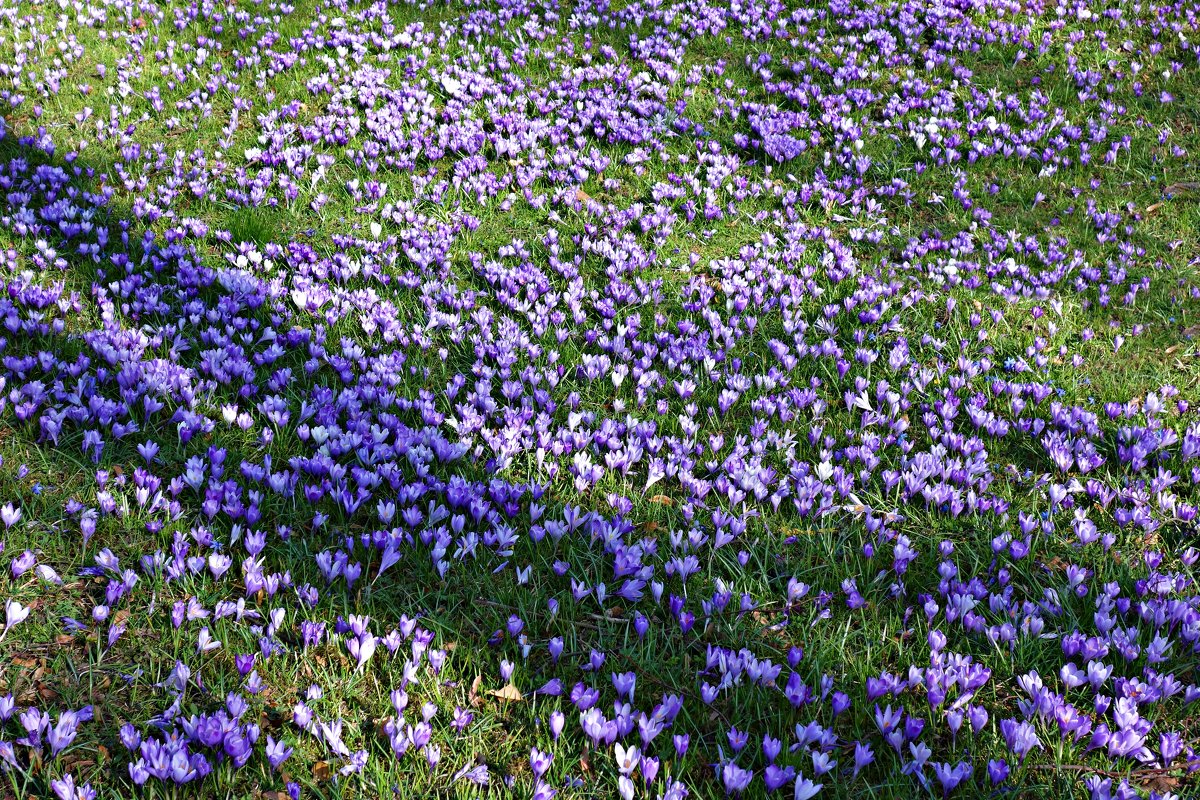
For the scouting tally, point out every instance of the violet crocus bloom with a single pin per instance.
(65, 788)
(539, 762)
(736, 779)
(863, 757)
(806, 789)
(775, 777)
(9, 515)
(277, 752)
(14, 614)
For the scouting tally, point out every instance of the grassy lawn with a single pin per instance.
(609, 399)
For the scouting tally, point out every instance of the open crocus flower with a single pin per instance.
(9, 515)
(14, 614)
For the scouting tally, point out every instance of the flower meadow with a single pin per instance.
(624, 398)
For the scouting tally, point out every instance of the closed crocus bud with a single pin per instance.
(681, 741)
(557, 721)
(795, 656)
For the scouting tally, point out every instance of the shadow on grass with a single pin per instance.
(123, 301)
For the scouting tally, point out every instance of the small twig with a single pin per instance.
(1148, 772)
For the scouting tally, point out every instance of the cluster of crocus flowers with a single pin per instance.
(722, 324)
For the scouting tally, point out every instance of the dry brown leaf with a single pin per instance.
(1161, 784)
(509, 694)
(662, 500)
(473, 697)
(582, 196)
(322, 771)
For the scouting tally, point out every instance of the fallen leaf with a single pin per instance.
(662, 500)
(473, 697)
(322, 771)
(1160, 784)
(509, 693)
(582, 196)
